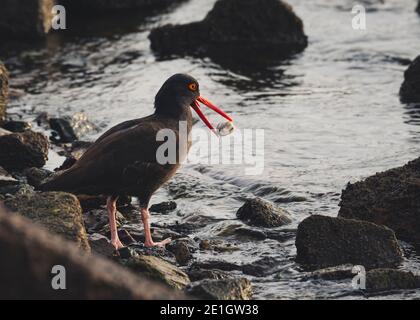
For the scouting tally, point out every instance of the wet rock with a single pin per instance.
(69, 129)
(261, 213)
(25, 19)
(251, 30)
(101, 245)
(217, 264)
(58, 212)
(16, 126)
(250, 233)
(159, 270)
(23, 150)
(63, 131)
(6, 179)
(163, 207)
(217, 245)
(12, 190)
(410, 88)
(390, 198)
(262, 267)
(391, 279)
(35, 176)
(333, 273)
(4, 90)
(224, 289)
(325, 242)
(158, 233)
(197, 274)
(139, 248)
(181, 251)
(28, 252)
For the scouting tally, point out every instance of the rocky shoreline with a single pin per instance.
(374, 214)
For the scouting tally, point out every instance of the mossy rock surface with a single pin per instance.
(159, 270)
(58, 212)
(4, 91)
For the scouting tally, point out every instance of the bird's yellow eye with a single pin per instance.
(192, 86)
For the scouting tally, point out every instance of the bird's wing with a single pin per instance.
(122, 126)
(103, 164)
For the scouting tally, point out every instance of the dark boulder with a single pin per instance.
(410, 88)
(58, 212)
(16, 126)
(418, 8)
(23, 150)
(163, 207)
(181, 250)
(224, 289)
(390, 198)
(378, 280)
(101, 245)
(261, 213)
(197, 274)
(326, 242)
(28, 253)
(25, 19)
(4, 90)
(253, 30)
(69, 129)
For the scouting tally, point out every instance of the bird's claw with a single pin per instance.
(117, 244)
(160, 244)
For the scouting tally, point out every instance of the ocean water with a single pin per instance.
(330, 115)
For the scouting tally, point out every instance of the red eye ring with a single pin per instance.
(192, 86)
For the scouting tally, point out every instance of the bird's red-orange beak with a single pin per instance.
(200, 113)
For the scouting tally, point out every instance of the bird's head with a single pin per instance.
(181, 91)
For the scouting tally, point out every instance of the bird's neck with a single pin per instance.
(173, 109)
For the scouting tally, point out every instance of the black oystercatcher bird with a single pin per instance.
(123, 160)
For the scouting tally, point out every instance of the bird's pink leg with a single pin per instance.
(111, 204)
(147, 235)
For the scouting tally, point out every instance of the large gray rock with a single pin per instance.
(25, 19)
(23, 150)
(4, 91)
(390, 198)
(224, 289)
(390, 279)
(326, 242)
(159, 270)
(28, 253)
(58, 212)
(410, 88)
(254, 30)
(261, 213)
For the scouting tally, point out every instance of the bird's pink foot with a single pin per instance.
(117, 244)
(160, 244)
